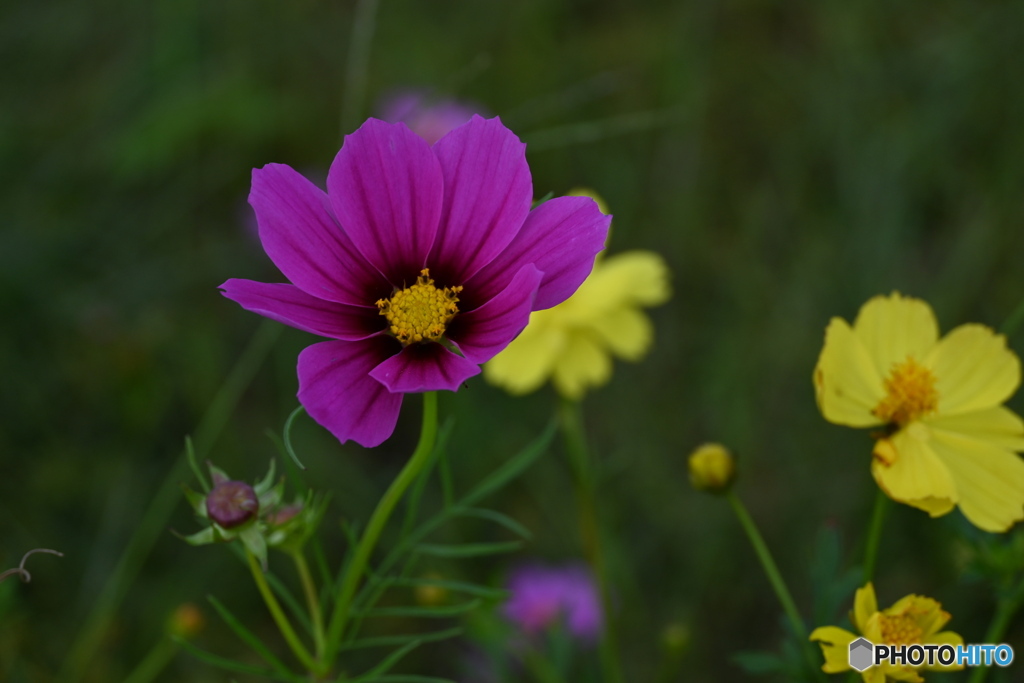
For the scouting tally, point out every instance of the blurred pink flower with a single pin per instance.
(428, 117)
(545, 596)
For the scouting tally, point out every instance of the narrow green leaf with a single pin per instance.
(231, 665)
(190, 454)
(248, 637)
(458, 587)
(287, 436)
(392, 641)
(387, 663)
(496, 517)
(410, 678)
(437, 612)
(468, 549)
(511, 469)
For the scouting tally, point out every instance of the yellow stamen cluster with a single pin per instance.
(909, 394)
(420, 312)
(900, 629)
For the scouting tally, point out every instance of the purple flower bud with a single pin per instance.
(232, 503)
(284, 515)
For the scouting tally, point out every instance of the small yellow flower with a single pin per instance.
(948, 440)
(573, 342)
(712, 468)
(914, 619)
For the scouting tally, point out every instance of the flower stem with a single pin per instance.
(360, 40)
(1008, 605)
(874, 534)
(579, 456)
(378, 520)
(155, 661)
(1013, 321)
(283, 625)
(774, 577)
(312, 600)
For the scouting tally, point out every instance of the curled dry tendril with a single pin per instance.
(20, 569)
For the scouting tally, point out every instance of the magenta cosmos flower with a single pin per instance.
(420, 263)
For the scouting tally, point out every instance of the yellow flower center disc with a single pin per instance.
(900, 629)
(909, 394)
(421, 312)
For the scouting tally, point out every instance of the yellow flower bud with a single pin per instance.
(186, 621)
(712, 468)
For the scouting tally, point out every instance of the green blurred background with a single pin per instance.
(788, 159)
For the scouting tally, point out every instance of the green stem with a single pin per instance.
(774, 577)
(874, 535)
(155, 661)
(312, 600)
(283, 625)
(1008, 605)
(1013, 321)
(360, 40)
(378, 520)
(579, 457)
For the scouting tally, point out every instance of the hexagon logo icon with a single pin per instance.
(861, 654)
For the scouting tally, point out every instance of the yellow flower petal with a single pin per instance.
(945, 638)
(894, 327)
(632, 278)
(1000, 426)
(974, 370)
(901, 673)
(528, 361)
(835, 646)
(628, 332)
(989, 479)
(909, 471)
(873, 675)
(926, 612)
(864, 605)
(582, 365)
(846, 381)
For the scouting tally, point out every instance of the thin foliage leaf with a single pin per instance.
(435, 612)
(392, 641)
(451, 550)
(249, 638)
(231, 665)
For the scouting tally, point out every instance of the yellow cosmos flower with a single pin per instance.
(914, 619)
(572, 343)
(948, 440)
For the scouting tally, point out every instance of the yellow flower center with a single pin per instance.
(909, 394)
(900, 629)
(421, 312)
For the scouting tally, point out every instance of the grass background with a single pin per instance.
(789, 160)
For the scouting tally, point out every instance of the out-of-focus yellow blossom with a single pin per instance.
(186, 621)
(712, 468)
(947, 438)
(572, 343)
(914, 619)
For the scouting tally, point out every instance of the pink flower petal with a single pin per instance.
(337, 391)
(290, 305)
(424, 367)
(386, 188)
(487, 196)
(481, 333)
(561, 237)
(303, 239)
